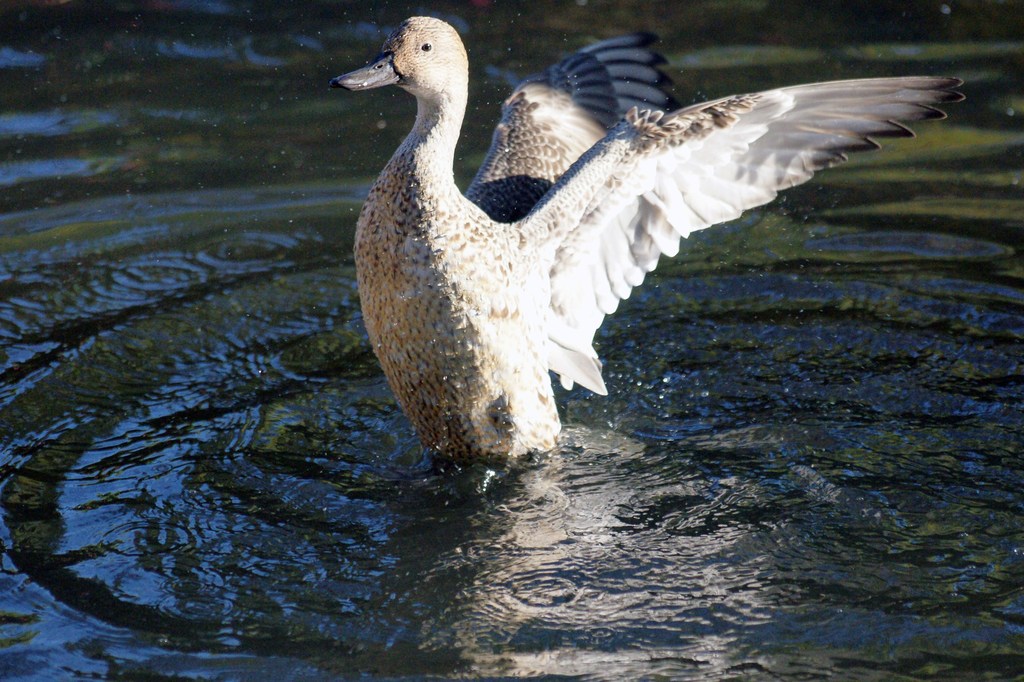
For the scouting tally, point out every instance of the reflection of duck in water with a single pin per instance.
(470, 300)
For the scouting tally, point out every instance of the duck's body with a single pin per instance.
(469, 302)
(450, 308)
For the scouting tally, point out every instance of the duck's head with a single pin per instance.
(424, 56)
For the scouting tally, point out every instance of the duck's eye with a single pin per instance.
(426, 47)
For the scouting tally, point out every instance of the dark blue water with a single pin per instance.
(810, 465)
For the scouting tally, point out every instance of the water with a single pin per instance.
(810, 464)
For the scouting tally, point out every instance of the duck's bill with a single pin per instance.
(376, 74)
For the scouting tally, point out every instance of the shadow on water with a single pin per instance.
(809, 465)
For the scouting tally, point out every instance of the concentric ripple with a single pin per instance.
(809, 466)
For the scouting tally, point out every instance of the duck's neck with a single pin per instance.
(430, 146)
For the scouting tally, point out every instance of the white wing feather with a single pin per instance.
(691, 169)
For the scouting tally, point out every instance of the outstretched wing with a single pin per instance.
(553, 117)
(656, 178)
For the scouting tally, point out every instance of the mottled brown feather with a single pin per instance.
(467, 311)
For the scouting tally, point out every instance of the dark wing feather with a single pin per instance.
(553, 117)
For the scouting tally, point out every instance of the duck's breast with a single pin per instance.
(456, 324)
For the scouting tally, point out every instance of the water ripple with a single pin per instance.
(809, 466)
(18, 59)
(39, 169)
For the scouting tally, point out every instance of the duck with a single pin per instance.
(472, 301)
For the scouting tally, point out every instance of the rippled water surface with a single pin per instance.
(811, 463)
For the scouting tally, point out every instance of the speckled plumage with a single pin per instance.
(470, 300)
